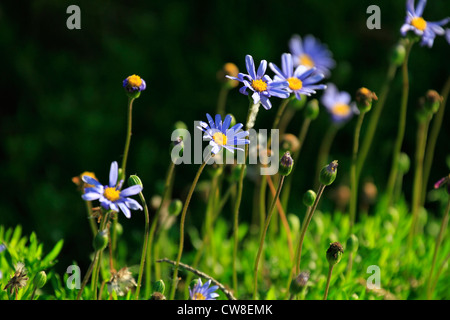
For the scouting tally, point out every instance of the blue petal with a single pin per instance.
(113, 174)
(91, 196)
(226, 123)
(261, 69)
(90, 180)
(210, 121)
(286, 65)
(125, 210)
(250, 65)
(218, 122)
(131, 191)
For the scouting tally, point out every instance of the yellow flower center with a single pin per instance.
(134, 81)
(220, 138)
(419, 23)
(341, 109)
(112, 194)
(295, 83)
(259, 85)
(199, 296)
(306, 61)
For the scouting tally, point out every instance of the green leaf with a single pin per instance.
(54, 253)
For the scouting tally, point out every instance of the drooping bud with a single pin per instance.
(364, 98)
(312, 109)
(40, 279)
(286, 164)
(328, 173)
(134, 180)
(334, 253)
(101, 240)
(398, 54)
(309, 197)
(299, 283)
(175, 207)
(352, 243)
(159, 286)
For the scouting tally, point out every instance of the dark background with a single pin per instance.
(63, 108)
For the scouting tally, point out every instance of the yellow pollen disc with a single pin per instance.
(134, 81)
(341, 109)
(295, 83)
(259, 85)
(112, 194)
(199, 296)
(220, 138)
(306, 61)
(419, 23)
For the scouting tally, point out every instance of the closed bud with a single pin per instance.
(364, 98)
(159, 286)
(157, 296)
(298, 104)
(134, 180)
(180, 125)
(403, 163)
(175, 207)
(432, 101)
(286, 164)
(328, 173)
(40, 279)
(312, 109)
(299, 283)
(398, 54)
(352, 243)
(309, 197)
(334, 253)
(101, 240)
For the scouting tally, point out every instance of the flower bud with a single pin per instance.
(312, 109)
(432, 101)
(40, 279)
(328, 173)
(178, 143)
(134, 180)
(299, 283)
(175, 207)
(298, 104)
(159, 286)
(309, 197)
(101, 240)
(442, 182)
(180, 125)
(228, 69)
(364, 99)
(352, 243)
(157, 296)
(403, 163)
(133, 86)
(289, 142)
(398, 54)
(286, 164)
(334, 253)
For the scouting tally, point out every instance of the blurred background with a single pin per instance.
(64, 109)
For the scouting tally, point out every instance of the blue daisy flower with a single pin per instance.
(262, 85)
(416, 23)
(134, 84)
(302, 80)
(221, 136)
(310, 52)
(202, 292)
(338, 104)
(110, 196)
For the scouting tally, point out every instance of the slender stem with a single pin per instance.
(434, 133)
(144, 248)
(91, 221)
(88, 274)
(374, 117)
(401, 127)
(263, 236)
(280, 112)
(148, 265)
(325, 146)
(183, 218)
(330, 271)
(438, 273)
(128, 137)
(436, 247)
(418, 173)
(33, 293)
(353, 175)
(222, 99)
(95, 272)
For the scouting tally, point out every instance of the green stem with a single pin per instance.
(148, 265)
(330, 271)
(401, 127)
(128, 138)
(434, 133)
(221, 100)
(263, 236)
(353, 175)
(88, 274)
(144, 248)
(95, 272)
(436, 248)
(183, 218)
(91, 220)
(374, 118)
(438, 273)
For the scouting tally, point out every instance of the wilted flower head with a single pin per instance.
(19, 279)
(364, 98)
(310, 52)
(338, 104)
(414, 22)
(203, 292)
(110, 196)
(220, 135)
(121, 281)
(228, 69)
(334, 253)
(262, 85)
(302, 80)
(442, 182)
